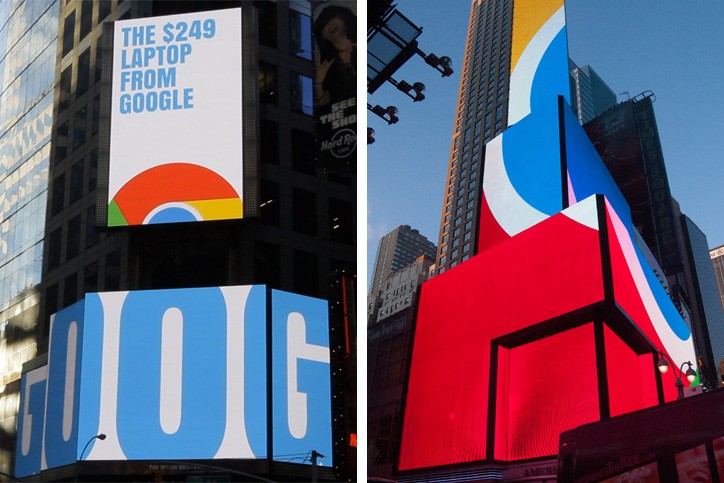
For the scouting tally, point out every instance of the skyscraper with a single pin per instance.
(28, 40)
(590, 95)
(482, 113)
(395, 250)
(717, 259)
(703, 294)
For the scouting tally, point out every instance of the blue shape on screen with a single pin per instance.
(172, 215)
(203, 419)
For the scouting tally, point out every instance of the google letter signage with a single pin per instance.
(178, 374)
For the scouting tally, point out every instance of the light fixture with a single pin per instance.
(392, 113)
(407, 88)
(663, 366)
(370, 135)
(442, 64)
(690, 373)
(389, 113)
(100, 436)
(419, 88)
(446, 64)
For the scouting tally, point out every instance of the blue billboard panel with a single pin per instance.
(301, 389)
(30, 422)
(61, 401)
(173, 380)
(175, 374)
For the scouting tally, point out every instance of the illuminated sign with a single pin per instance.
(176, 119)
(557, 278)
(335, 86)
(178, 374)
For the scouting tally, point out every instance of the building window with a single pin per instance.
(269, 206)
(86, 18)
(91, 232)
(267, 14)
(76, 181)
(305, 273)
(90, 278)
(54, 248)
(341, 222)
(51, 299)
(104, 9)
(61, 142)
(304, 211)
(68, 33)
(58, 200)
(300, 34)
(302, 93)
(99, 61)
(79, 127)
(268, 142)
(65, 86)
(303, 152)
(93, 170)
(267, 83)
(267, 265)
(83, 69)
(70, 291)
(113, 270)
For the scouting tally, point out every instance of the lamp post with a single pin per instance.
(663, 366)
(100, 436)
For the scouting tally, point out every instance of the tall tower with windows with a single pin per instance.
(482, 112)
(28, 40)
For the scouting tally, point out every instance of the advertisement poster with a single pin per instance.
(335, 84)
(176, 131)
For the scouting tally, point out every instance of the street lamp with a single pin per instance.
(389, 114)
(442, 64)
(99, 436)
(418, 88)
(663, 366)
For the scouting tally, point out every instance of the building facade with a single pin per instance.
(717, 259)
(703, 292)
(28, 40)
(401, 287)
(481, 114)
(590, 95)
(303, 238)
(397, 249)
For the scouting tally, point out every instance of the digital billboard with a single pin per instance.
(335, 84)
(176, 150)
(178, 375)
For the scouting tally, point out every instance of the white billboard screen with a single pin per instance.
(176, 119)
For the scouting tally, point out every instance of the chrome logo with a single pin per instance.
(174, 193)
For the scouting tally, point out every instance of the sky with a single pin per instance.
(673, 49)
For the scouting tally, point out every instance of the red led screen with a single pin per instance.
(631, 382)
(630, 290)
(550, 387)
(550, 269)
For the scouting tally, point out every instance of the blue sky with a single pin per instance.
(671, 48)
